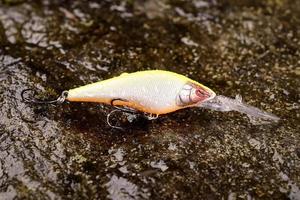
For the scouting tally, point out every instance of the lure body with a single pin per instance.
(154, 91)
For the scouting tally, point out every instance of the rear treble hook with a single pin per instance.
(59, 100)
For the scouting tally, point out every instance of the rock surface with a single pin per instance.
(251, 48)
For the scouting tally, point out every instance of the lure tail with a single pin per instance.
(225, 104)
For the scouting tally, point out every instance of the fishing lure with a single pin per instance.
(154, 92)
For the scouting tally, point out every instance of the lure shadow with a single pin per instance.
(93, 118)
(128, 122)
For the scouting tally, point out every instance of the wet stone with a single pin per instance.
(68, 151)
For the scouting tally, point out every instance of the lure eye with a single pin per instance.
(191, 94)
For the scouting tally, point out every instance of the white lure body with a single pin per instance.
(155, 91)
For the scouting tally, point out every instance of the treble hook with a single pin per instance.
(147, 116)
(108, 120)
(59, 100)
(119, 109)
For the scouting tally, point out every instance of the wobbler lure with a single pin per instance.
(155, 92)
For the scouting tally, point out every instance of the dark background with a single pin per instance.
(251, 48)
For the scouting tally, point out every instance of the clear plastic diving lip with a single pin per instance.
(225, 104)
